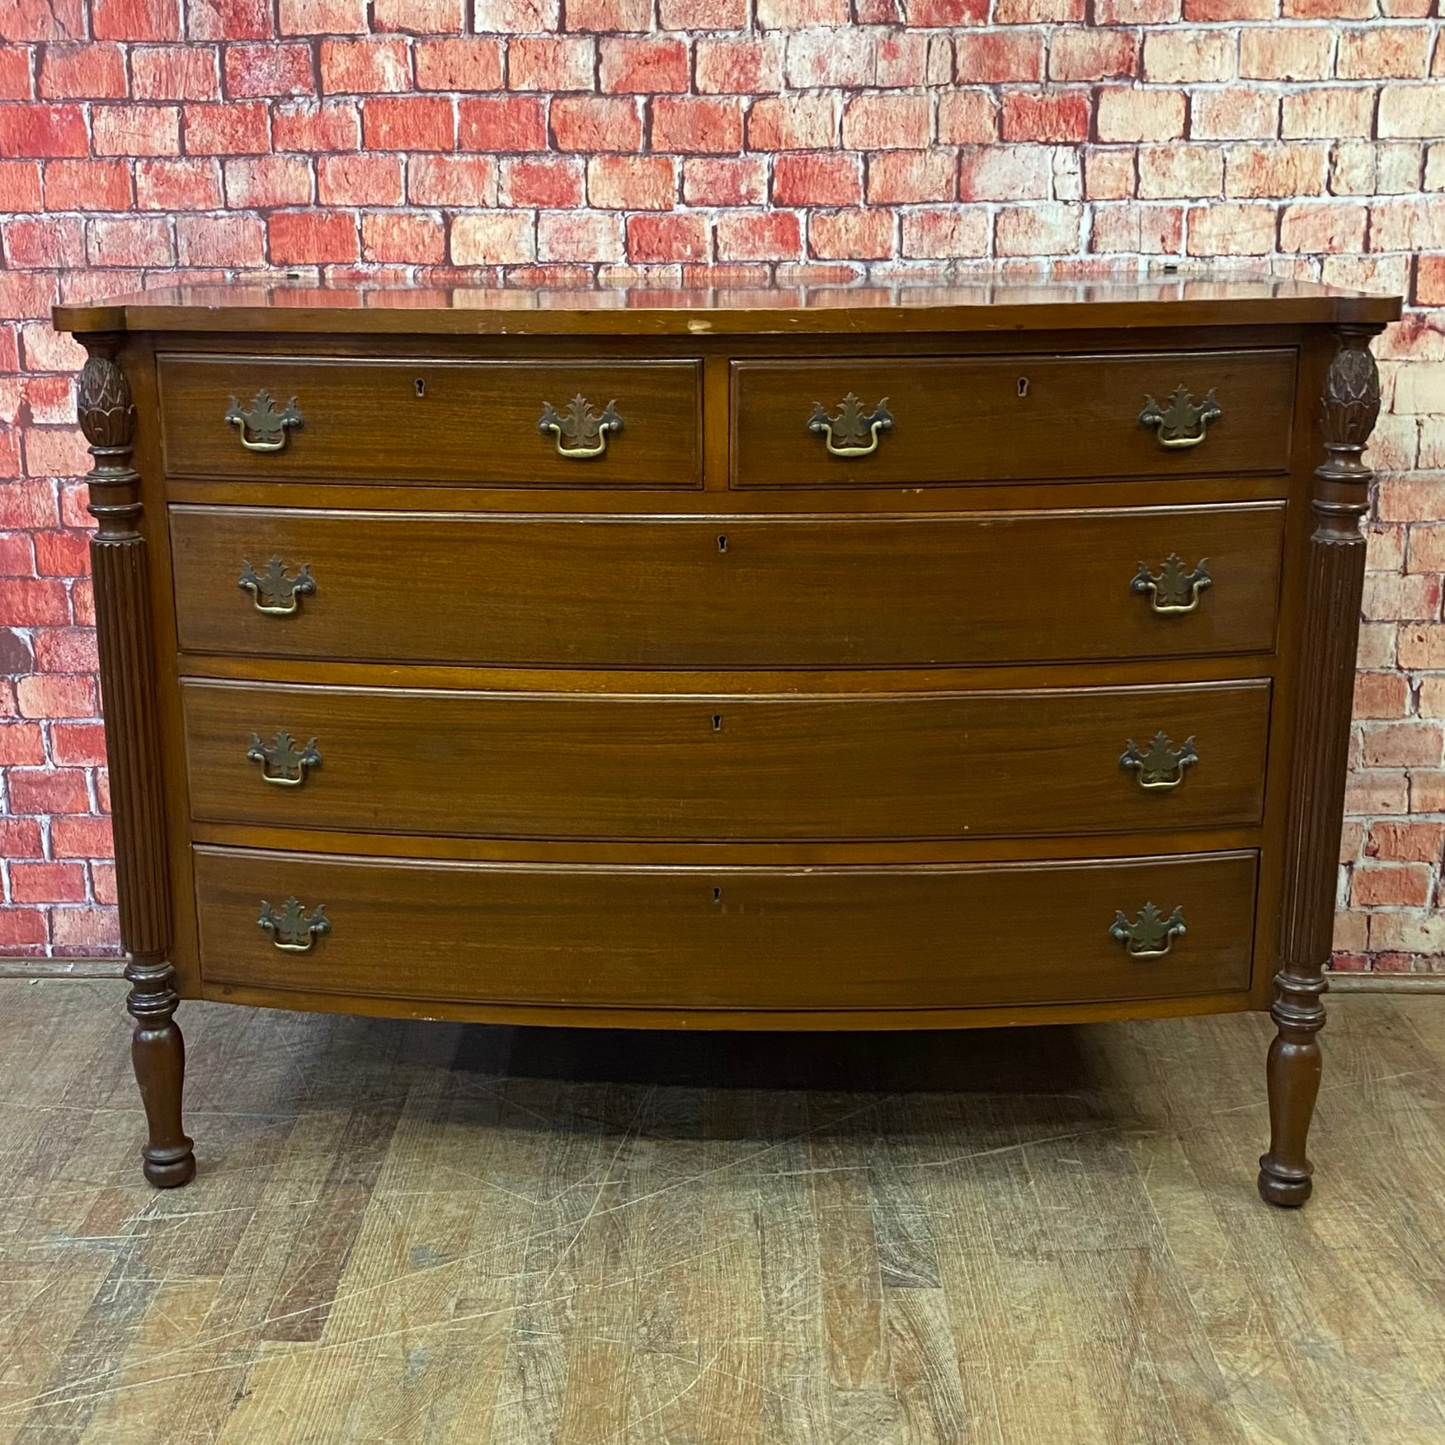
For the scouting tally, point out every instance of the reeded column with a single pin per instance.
(1321, 751)
(128, 685)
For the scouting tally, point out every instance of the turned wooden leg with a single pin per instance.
(1293, 1072)
(159, 1055)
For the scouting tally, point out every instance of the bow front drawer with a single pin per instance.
(493, 423)
(752, 938)
(727, 591)
(767, 768)
(910, 421)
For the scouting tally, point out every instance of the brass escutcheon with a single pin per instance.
(272, 591)
(585, 431)
(291, 931)
(1151, 935)
(282, 762)
(1159, 765)
(263, 422)
(1183, 423)
(1173, 591)
(850, 426)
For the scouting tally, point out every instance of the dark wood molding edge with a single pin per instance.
(1336, 575)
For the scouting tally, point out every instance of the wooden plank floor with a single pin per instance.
(424, 1233)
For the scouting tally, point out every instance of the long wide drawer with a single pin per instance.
(915, 421)
(527, 765)
(501, 423)
(698, 938)
(727, 591)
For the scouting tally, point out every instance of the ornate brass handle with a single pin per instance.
(1159, 766)
(283, 763)
(1182, 423)
(273, 592)
(586, 432)
(264, 422)
(291, 931)
(1174, 590)
(1151, 935)
(850, 426)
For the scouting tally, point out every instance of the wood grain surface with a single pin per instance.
(438, 1235)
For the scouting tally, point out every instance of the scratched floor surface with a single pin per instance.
(423, 1233)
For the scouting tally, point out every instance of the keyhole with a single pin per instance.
(420, 387)
(1023, 386)
(717, 895)
(717, 722)
(722, 543)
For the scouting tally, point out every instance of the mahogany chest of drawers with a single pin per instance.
(875, 657)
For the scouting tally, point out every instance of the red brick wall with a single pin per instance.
(142, 138)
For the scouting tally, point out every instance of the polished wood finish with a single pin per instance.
(728, 591)
(942, 765)
(701, 733)
(727, 938)
(1009, 419)
(429, 419)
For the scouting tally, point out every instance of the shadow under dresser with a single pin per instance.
(885, 656)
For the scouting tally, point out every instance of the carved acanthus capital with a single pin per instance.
(1351, 403)
(107, 415)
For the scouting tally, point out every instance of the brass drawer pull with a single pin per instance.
(282, 762)
(291, 931)
(1159, 766)
(586, 432)
(1174, 590)
(1151, 935)
(273, 592)
(263, 422)
(850, 426)
(1182, 423)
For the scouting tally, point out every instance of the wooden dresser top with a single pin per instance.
(660, 309)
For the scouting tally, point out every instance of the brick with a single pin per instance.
(462, 181)
(89, 72)
(22, 928)
(846, 59)
(1406, 842)
(516, 17)
(44, 241)
(65, 649)
(321, 17)
(1005, 173)
(1231, 9)
(331, 125)
(135, 242)
(1325, 227)
(908, 58)
(886, 122)
(596, 123)
(1252, 171)
(408, 239)
(1328, 111)
(636, 66)
(83, 930)
(667, 238)
(20, 186)
(1407, 933)
(228, 19)
(1427, 548)
(174, 72)
(21, 837)
(102, 882)
(1186, 57)
(413, 122)
(739, 67)
(17, 559)
(946, 232)
(1180, 170)
(910, 177)
(359, 180)
(1327, 9)
(364, 67)
(232, 129)
(550, 182)
(1286, 53)
(82, 838)
(260, 70)
(48, 790)
(267, 181)
(967, 117)
(696, 124)
(608, 15)
(1427, 792)
(799, 122)
(1408, 225)
(1039, 230)
(702, 14)
(77, 742)
(192, 184)
(506, 238)
(999, 56)
(579, 236)
(1391, 598)
(1383, 52)
(1145, 230)
(1037, 12)
(1390, 885)
(16, 82)
(724, 181)
(1410, 744)
(42, 130)
(21, 742)
(1412, 110)
(1234, 114)
(301, 238)
(1140, 115)
(852, 235)
(464, 63)
(799, 14)
(632, 183)
(760, 236)
(1059, 115)
(135, 19)
(1230, 229)
(809, 179)
(55, 695)
(1083, 54)
(420, 17)
(551, 62)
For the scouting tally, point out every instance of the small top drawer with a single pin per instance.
(493, 423)
(916, 421)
